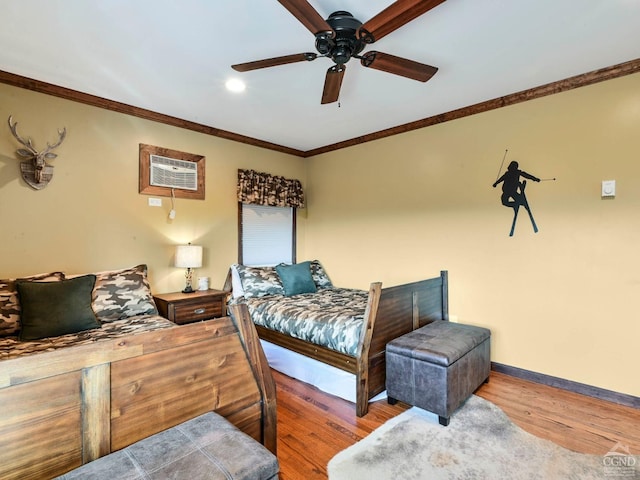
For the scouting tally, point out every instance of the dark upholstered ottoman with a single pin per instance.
(437, 367)
(207, 447)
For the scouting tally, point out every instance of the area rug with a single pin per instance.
(480, 443)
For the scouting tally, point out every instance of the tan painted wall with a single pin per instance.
(91, 217)
(562, 302)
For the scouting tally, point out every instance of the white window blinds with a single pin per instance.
(267, 235)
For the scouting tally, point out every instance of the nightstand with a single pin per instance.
(184, 308)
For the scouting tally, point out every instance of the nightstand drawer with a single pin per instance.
(186, 313)
(183, 308)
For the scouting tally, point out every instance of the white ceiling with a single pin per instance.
(174, 57)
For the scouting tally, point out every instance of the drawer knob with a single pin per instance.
(198, 311)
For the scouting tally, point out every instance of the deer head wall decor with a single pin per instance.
(35, 169)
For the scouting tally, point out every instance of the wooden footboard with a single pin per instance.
(401, 309)
(64, 408)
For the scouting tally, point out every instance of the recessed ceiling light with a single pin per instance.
(235, 85)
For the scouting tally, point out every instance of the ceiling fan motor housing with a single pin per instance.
(345, 43)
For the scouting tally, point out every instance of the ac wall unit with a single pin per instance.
(172, 173)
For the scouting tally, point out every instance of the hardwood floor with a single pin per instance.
(314, 426)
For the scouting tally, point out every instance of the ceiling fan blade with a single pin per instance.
(395, 16)
(398, 66)
(308, 16)
(332, 84)
(273, 62)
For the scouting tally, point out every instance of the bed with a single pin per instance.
(88, 367)
(344, 329)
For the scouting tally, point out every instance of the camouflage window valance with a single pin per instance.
(269, 190)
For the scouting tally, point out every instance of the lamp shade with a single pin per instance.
(189, 256)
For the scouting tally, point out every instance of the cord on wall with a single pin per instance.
(172, 212)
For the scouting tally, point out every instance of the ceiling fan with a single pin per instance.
(342, 36)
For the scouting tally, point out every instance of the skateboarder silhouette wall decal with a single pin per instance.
(513, 191)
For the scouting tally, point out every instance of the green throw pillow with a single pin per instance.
(296, 278)
(50, 309)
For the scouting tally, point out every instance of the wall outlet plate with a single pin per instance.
(608, 188)
(155, 202)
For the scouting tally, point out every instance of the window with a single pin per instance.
(267, 235)
(267, 217)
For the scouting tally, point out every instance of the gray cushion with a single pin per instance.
(207, 447)
(440, 342)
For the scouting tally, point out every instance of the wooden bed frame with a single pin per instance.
(64, 408)
(390, 313)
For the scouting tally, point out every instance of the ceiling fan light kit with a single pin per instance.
(342, 37)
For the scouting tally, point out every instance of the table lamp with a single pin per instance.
(189, 257)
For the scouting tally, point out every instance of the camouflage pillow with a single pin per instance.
(320, 277)
(10, 303)
(122, 294)
(259, 281)
(236, 283)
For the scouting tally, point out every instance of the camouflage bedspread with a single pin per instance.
(11, 347)
(331, 317)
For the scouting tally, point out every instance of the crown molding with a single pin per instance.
(589, 78)
(560, 86)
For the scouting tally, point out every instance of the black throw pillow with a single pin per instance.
(49, 309)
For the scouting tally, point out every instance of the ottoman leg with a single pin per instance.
(392, 401)
(444, 421)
